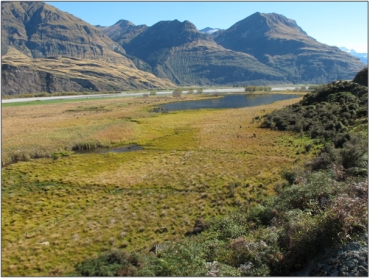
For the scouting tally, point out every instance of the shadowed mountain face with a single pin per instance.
(277, 49)
(33, 31)
(178, 51)
(161, 37)
(123, 31)
(280, 43)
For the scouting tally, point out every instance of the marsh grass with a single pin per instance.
(195, 164)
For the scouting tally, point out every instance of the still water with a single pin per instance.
(122, 149)
(228, 101)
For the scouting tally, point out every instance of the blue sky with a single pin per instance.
(333, 23)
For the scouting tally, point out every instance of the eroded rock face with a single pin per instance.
(23, 75)
(28, 81)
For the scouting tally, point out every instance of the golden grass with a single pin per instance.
(113, 69)
(196, 164)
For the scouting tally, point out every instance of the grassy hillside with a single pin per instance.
(22, 75)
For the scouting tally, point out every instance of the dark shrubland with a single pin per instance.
(317, 208)
(362, 77)
(329, 112)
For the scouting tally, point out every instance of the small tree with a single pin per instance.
(177, 92)
(200, 91)
(152, 93)
(190, 91)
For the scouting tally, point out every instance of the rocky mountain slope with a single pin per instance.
(261, 49)
(40, 30)
(38, 39)
(278, 49)
(281, 44)
(362, 56)
(178, 51)
(22, 74)
(123, 31)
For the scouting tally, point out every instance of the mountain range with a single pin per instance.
(209, 30)
(362, 56)
(47, 50)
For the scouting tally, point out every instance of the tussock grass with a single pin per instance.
(195, 164)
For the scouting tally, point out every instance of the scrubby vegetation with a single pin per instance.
(316, 210)
(257, 88)
(322, 205)
(331, 113)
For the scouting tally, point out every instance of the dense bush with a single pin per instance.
(362, 77)
(327, 113)
(113, 263)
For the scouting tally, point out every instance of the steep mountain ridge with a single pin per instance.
(178, 51)
(163, 35)
(40, 30)
(123, 31)
(280, 43)
(56, 44)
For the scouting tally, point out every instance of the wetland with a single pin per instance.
(64, 207)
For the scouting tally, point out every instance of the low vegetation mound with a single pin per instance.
(329, 112)
(362, 77)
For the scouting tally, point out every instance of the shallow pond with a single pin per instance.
(122, 149)
(228, 101)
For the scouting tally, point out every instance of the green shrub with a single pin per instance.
(178, 259)
(231, 226)
(112, 263)
(353, 153)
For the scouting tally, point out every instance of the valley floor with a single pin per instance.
(65, 207)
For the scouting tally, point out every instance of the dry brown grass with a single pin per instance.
(116, 71)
